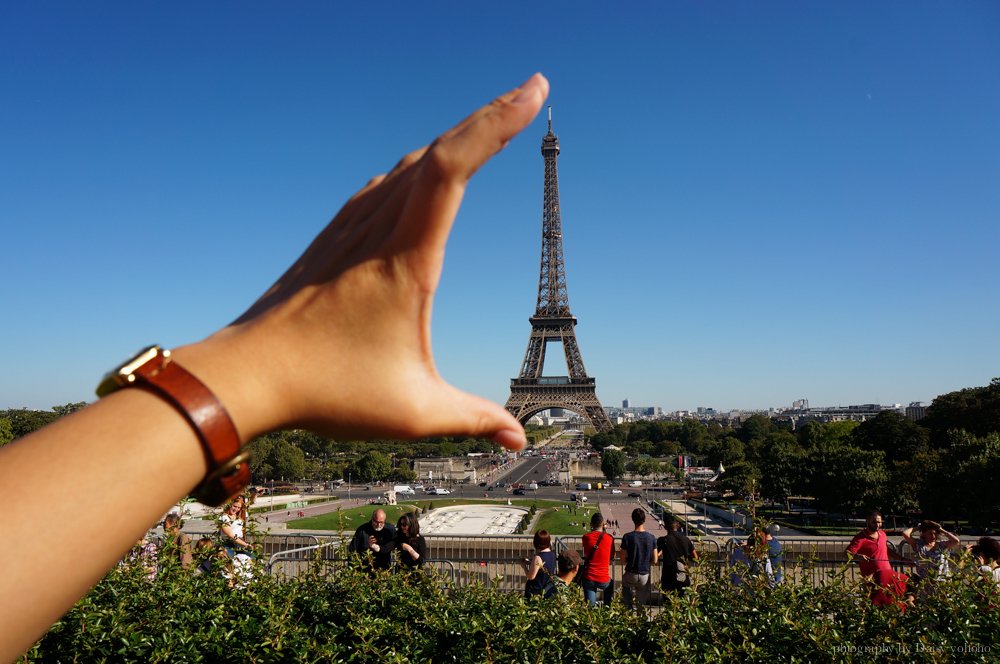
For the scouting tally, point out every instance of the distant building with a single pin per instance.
(915, 411)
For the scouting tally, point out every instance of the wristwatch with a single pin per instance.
(155, 371)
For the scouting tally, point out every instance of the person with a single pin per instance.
(410, 544)
(751, 560)
(637, 552)
(146, 554)
(339, 345)
(178, 543)
(870, 549)
(377, 539)
(231, 523)
(931, 550)
(567, 567)
(539, 567)
(775, 553)
(986, 553)
(206, 552)
(598, 547)
(676, 554)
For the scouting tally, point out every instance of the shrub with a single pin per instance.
(343, 615)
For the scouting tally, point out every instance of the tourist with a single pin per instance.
(231, 525)
(986, 553)
(177, 544)
(598, 548)
(638, 552)
(374, 541)
(540, 566)
(775, 553)
(931, 550)
(870, 549)
(750, 562)
(339, 344)
(676, 553)
(410, 544)
(568, 566)
(146, 554)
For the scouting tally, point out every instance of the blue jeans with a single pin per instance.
(590, 589)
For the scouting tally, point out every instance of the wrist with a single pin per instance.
(229, 367)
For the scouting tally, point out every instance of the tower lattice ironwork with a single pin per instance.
(531, 392)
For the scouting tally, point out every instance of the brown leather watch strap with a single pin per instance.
(228, 466)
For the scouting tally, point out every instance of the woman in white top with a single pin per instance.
(231, 525)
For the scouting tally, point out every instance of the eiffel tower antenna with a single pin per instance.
(531, 392)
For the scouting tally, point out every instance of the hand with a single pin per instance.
(341, 343)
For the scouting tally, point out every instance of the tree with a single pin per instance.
(371, 467)
(66, 409)
(848, 479)
(898, 437)
(613, 464)
(6, 431)
(24, 421)
(741, 479)
(755, 427)
(974, 409)
(964, 482)
(642, 466)
(780, 466)
(288, 461)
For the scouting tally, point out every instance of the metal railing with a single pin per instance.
(495, 561)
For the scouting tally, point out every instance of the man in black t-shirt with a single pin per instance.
(637, 552)
(676, 553)
(375, 538)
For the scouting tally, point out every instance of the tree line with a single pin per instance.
(944, 465)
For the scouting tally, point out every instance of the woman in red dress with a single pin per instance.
(870, 549)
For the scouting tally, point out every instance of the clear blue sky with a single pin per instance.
(761, 201)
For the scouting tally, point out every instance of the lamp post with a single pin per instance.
(348, 487)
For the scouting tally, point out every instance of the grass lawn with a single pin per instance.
(563, 522)
(556, 521)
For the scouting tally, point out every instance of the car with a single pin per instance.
(441, 492)
(482, 484)
(616, 491)
(634, 494)
(418, 487)
(518, 492)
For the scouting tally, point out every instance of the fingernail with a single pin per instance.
(528, 90)
(512, 440)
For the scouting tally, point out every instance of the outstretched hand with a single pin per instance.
(341, 343)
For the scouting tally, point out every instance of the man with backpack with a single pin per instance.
(676, 553)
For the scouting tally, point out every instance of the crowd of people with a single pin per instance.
(754, 563)
(933, 553)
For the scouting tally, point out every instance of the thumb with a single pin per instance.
(461, 412)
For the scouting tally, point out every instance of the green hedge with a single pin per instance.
(349, 617)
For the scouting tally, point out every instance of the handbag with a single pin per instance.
(582, 572)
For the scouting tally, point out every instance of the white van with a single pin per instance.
(635, 483)
(533, 486)
(404, 489)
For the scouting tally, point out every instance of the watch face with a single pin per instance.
(123, 374)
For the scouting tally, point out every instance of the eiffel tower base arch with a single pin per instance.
(529, 397)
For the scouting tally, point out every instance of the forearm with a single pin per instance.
(107, 460)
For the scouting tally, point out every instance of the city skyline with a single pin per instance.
(760, 203)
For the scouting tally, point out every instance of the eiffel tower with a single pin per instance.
(530, 392)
